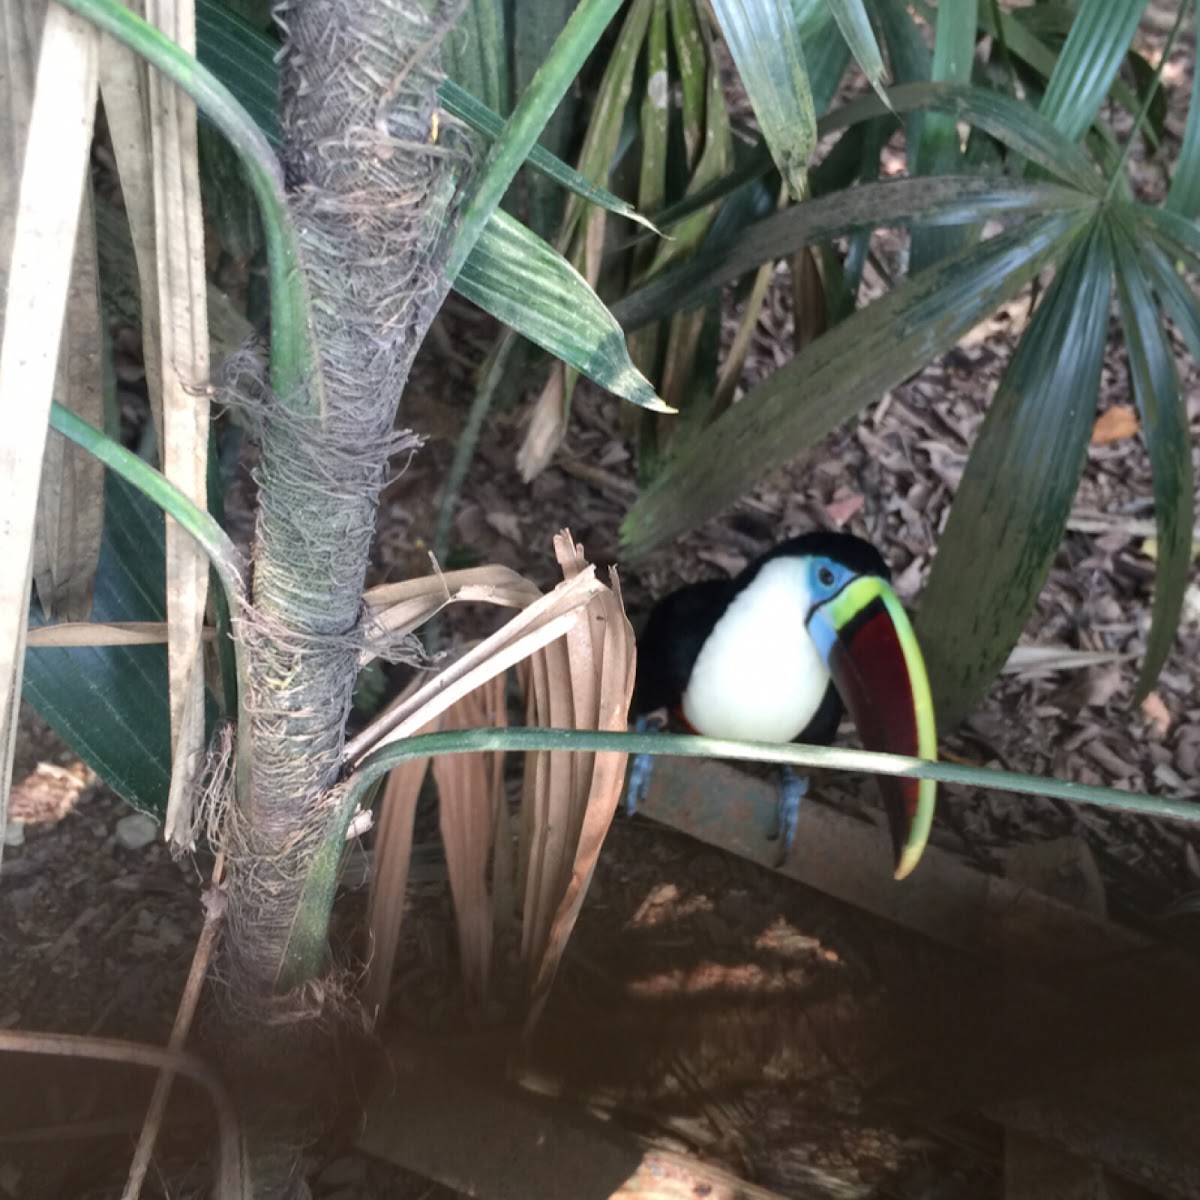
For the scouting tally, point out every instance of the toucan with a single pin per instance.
(776, 654)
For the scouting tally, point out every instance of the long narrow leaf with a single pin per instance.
(912, 63)
(1184, 194)
(825, 51)
(180, 284)
(480, 117)
(1174, 292)
(939, 152)
(475, 53)
(540, 100)
(1178, 236)
(243, 58)
(604, 127)
(56, 128)
(1024, 131)
(293, 351)
(1024, 33)
(1095, 48)
(1165, 427)
(525, 283)
(852, 20)
(832, 758)
(70, 514)
(199, 524)
(945, 199)
(763, 39)
(853, 364)
(536, 25)
(1011, 509)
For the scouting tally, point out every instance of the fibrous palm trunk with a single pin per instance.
(372, 189)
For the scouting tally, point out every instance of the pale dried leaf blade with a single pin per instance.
(553, 805)
(467, 809)
(613, 665)
(547, 426)
(1037, 660)
(389, 878)
(549, 822)
(124, 88)
(583, 661)
(53, 171)
(504, 582)
(183, 370)
(187, 761)
(70, 517)
(399, 608)
(98, 633)
(10, 711)
(532, 628)
(20, 34)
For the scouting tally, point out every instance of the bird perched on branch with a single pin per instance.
(810, 629)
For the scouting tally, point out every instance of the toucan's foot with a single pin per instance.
(642, 765)
(792, 789)
(639, 782)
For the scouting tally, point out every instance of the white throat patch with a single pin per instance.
(758, 675)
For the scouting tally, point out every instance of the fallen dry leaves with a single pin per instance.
(1157, 714)
(1114, 424)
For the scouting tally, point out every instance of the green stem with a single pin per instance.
(308, 935)
(293, 351)
(318, 899)
(468, 741)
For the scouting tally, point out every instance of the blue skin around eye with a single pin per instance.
(821, 590)
(820, 629)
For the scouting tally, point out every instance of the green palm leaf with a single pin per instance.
(1089, 62)
(1011, 509)
(1164, 426)
(763, 37)
(527, 284)
(856, 362)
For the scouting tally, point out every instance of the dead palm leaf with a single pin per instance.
(389, 879)
(578, 647)
(585, 679)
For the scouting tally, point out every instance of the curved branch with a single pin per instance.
(65, 1045)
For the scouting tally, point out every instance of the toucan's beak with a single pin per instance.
(869, 646)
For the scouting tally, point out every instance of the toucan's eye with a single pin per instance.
(825, 576)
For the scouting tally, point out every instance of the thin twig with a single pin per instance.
(214, 911)
(66, 1045)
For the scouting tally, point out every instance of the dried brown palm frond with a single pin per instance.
(578, 651)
